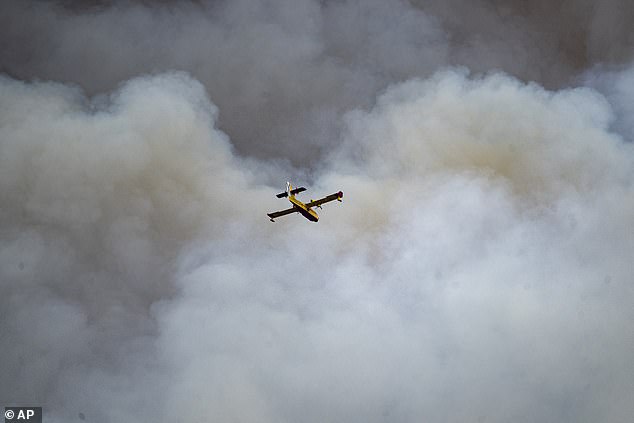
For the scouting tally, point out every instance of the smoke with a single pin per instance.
(291, 69)
(478, 268)
(536, 40)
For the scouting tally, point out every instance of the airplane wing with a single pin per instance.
(281, 213)
(328, 198)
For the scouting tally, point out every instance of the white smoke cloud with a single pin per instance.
(98, 199)
(483, 255)
(478, 268)
(618, 86)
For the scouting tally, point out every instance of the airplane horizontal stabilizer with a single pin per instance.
(298, 190)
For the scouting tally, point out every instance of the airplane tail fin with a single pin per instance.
(287, 192)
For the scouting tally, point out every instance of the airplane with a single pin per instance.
(305, 209)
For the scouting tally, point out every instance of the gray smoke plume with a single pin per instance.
(479, 268)
(292, 68)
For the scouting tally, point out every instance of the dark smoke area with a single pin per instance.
(478, 269)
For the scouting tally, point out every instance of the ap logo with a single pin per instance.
(22, 414)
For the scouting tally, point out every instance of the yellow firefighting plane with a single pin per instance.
(305, 209)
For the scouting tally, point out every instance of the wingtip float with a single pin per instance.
(305, 209)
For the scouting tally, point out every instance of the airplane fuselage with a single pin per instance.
(307, 212)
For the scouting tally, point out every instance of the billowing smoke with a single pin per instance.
(292, 68)
(479, 268)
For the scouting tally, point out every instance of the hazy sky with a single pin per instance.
(478, 270)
